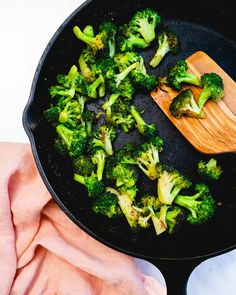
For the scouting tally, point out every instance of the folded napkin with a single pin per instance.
(42, 252)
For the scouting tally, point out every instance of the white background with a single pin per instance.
(26, 27)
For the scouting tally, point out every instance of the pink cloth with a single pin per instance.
(42, 252)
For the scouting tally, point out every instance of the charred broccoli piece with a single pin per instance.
(178, 75)
(209, 170)
(107, 204)
(126, 197)
(167, 42)
(175, 216)
(144, 22)
(103, 138)
(213, 88)
(83, 165)
(74, 140)
(94, 186)
(184, 104)
(147, 156)
(170, 183)
(147, 130)
(201, 205)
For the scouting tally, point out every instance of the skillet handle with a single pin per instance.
(176, 273)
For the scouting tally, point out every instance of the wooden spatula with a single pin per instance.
(217, 132)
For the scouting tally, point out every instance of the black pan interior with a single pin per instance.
(203, 28)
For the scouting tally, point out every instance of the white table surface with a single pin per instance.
(26, 27)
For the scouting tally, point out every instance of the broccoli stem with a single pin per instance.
(139, 120)
(92, 88)
(111, 100)
(191, 79)
(84, 68)
(65, 134)
(124, 128)
(88, 30)
(85, 38)
(203, 97)
(121, 76)
(188, 202)
(79, 178)
(162, 50)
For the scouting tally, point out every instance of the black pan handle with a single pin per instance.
(176, 273)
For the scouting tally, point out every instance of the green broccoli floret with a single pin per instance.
(125, 59)
(109, 29)
(60, 148)
(201, 205)
(125, 155)
(99, 158)
(147, 156)
(94, 186)
(145, 22)
(86, 63)
(71, 114)
(178, 75)
(110, 101)
(184, 104)
(107, 204)
(209, 170)
(167, 42)
(52, 113)
(213, 88)
(126, 197)
(73, 139)
(103, 138)
(174, 218)
(88, 118)
(83, 165)
(119, 115)
(170, 183)
(122, 174)
(67, 83)
(127, 39)
(147, 130)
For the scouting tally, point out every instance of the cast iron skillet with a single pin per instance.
(206, 28)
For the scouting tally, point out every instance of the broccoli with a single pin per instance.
(144, 22)
(99, 158)
(110, 101)
(126, 197)
(67, 84)
(170, 183)
(83, 165)
(122, 174)
(174, 218)
(125, 59)
(201, 205)
(213, 88)
(178, 75)
(209, 170)
(88, 118)
(185, 104)
(147, 156)
(147, 130)
(92, 89)
(167, 42)
(119, 115)
(88, 30)
(104, 40)
(71, 114)
(125, 155)
(109, 29)
(73, 139)
(115, 80)
(103, 138)
(86, 63)
(94, 186)
(107, 204)
(52, 113)
(128, 40)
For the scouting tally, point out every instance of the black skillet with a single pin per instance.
(200, 26)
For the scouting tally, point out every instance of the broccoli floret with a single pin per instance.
(184, 104)
(174, 218)
(99, 158)
(119, 115)
(107, 204)
(60, 148)
(103, 138)
(109, 29)
(71, 114)
(110, 101)
(201, 205)
(115, 80)
(147, 130)
(126, 197)
(209, 170)
(88, 118)
(170, 183)
(128, 40)
(86, 62)
(67, 83)
(145, 22)
(213, 88)
(73, 139)
(94, 89)
(52, 113)
(83, 165)
(167, 42)
(147, 156)
(125, 59)
(94, 186)
(178, 75)
(125, 155)
(122, 174)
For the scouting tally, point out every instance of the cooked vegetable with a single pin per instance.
(209, 170)
(107, 204)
